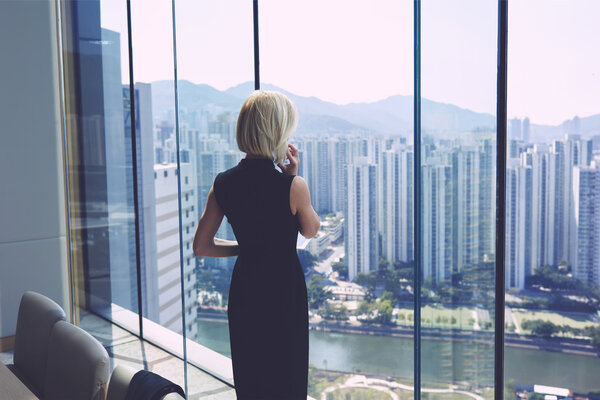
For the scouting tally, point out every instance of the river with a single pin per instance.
(442, 360)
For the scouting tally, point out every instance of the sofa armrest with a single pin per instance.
(119, 383)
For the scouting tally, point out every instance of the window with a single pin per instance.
(351, 76)
(343, 75)
(552, 189)
(458, 208)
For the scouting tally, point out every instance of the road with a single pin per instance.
(324, 266)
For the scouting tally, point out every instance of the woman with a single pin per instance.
(268, 310)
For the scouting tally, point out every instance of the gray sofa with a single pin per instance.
(54, 359)
(60, 361)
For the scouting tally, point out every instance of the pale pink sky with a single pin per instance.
(355, 51)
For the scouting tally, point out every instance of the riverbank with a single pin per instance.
(444, 361)
(560, 345)
(557, 345)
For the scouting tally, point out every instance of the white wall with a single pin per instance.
(33, 253)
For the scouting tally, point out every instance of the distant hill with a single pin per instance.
(588, 128)
(393, 115)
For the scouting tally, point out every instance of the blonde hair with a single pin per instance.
(267, 120)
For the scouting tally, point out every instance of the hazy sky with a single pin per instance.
(355, 51)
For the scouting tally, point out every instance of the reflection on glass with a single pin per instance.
(552, 201)
(458, 152)
(99, 160)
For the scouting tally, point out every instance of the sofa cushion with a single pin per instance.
(37, 315)
(78, 365)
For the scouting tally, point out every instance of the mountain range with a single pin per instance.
(392, 115)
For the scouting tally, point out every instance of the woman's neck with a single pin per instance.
(253, 157)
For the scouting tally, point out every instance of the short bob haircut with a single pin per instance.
(267, 120)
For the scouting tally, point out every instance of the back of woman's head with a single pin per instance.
(266, 121)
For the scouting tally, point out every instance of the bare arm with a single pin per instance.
(300, 206)
(205, 242)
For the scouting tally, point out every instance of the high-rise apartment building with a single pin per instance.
(518, 224)
(487, 199)
(437, 218)
(396, 199)
(465, 201)
(323, 172)
(586, 208)
(362, 249)
(168, 246)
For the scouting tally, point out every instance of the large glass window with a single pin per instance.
(552, 193)
(458, 208)
(348, 68)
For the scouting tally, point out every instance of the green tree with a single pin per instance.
(316, 294)
(337, 312)
(369, 282)
(364, 307)
(384, 264)
(206, 281)
(341, 268)
(595, 337)
(540, 328)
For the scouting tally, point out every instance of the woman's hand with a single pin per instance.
(294, 159)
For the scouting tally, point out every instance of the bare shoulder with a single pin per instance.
(298, 194)
(298, 185)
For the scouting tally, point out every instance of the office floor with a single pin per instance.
(126, 349)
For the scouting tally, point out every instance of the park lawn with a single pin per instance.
(429, 315)
(445, 396)
(324, 379)
(575, 320)
(358, 394)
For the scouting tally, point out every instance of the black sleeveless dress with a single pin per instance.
(268, 309)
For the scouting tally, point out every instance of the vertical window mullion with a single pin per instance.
(417, 199)
(132, 116)
(256, 49)
(179, 202)
(500, 198)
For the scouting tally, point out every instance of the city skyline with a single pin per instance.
(288, 60)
